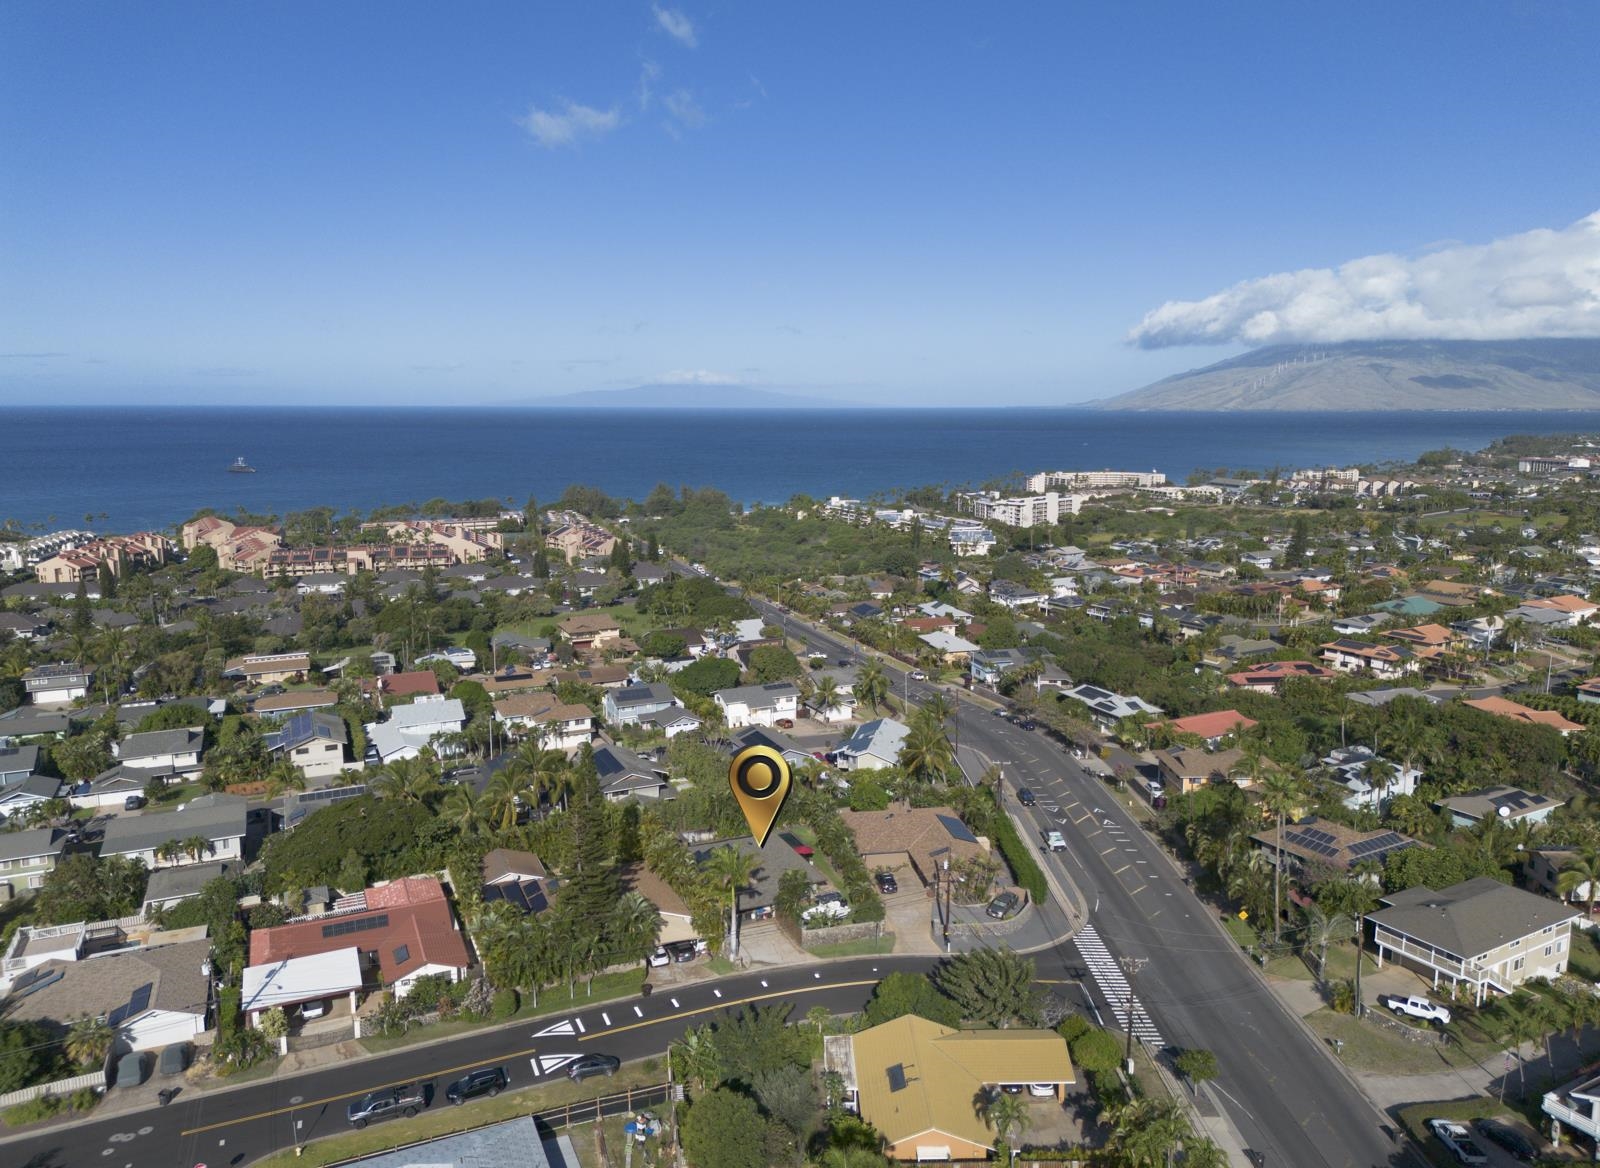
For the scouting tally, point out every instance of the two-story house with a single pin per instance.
(214, 825)
(58, 684)
(410, 728)
(27, 857)
(1383, 661)
(169, 755)
(626, 706)
(561, 725)
(316, 743)
(758, 705)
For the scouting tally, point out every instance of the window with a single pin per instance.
(1515, 943)
(1549, 928)
(1517, 964)
(1549, 949)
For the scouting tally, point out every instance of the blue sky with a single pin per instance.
(919, 204)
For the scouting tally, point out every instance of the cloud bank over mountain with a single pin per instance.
(1542, 283)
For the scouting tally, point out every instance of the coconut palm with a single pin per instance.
(872, 683)
(500, 799)
(636, 925)
(1146, 1131)
(89, 1041)
(731, 870)
(169, 851)
(461, 810)
(1322, 930)
(825, 694)
(1582, 874)
(1005, 1114)
(926, 754)
(1281, 793)
(195, 846)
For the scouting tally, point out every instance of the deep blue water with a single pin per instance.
(151, 467)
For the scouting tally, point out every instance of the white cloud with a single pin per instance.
(649, 74)
(684, 109)
(676, 25)
(1540, 283)
(697, 377)
(569, 124)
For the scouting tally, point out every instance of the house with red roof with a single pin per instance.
(1269, 676)
(1506, 708)
(403, 930)
(1210, 728)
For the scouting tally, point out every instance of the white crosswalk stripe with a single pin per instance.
(1113, 984)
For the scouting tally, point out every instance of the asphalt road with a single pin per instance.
(1193, 987)
(236, 1126)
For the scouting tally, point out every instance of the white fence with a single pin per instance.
(95, 1079)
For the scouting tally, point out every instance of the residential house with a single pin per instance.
(987, 666)
(17, 763)
(1507, 804)
(563, 725)
(1210, 728)
(971, 541)
(110, 789)
(23, 626)
(762, 705)
(169, 886)
(1369, 780)
(1382, 697)
(1362, 625)
(518, 879)
(269, 668)
(1480, 934)
(677, 923)
(1506, 708)
(58, 684)
(625, 706)
(1425, 639)
(1541, 870)
(590, 630)
(1010, 594)
(21, 794)
(407, 924)
(915, 1082)
(289, 982)
(624, 775)
(1269, 676)
(170, 755)
(599, 676)
(284, 705)
(219, 820)
(1388, 662)
(27, 857)
(672, 721)
(792, 751)
(390, 687)
(873, 746)
(843, 705)
(1323, 843)
(1185, 769)
(411, 728)
(150, 997)
(1573, 610)
(922, 839)
(771, 862)
(316, 743)
(1107, 708)
(299, 804)
(947, 611)
(1231, 649)
(953, 651)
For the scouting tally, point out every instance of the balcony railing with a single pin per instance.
(1446, 963)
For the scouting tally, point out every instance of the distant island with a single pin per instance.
(684, 396)
(1386, 375)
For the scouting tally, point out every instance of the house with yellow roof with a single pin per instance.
(920, 1083)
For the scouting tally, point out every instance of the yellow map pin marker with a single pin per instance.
(760, 780)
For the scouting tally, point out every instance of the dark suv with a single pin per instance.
(1026, 797)
(406, 1101)
(490, 1082)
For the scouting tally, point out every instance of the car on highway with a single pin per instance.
(386, 1104)
(1509, 1138)
(1055, 841)
(1004, 905)
(591, 1065)
(490, 1081)
(1458, 1141)
(886, 882)
(917, 675)
(1026, 797)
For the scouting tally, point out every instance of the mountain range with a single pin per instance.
(1549, 374)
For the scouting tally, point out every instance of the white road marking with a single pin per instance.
(638, 1012)
(606, 1018)
(718, 993)
(579, 1021)
(674, 1002)
(556, 1028)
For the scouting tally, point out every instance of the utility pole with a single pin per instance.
(946, 915)
(1361, 928)
(1130, 967)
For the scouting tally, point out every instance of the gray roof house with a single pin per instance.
(875, 744)
(26, 856)
(170, 886)
(218, 819)
(17, 763)
(1480, 933)
(772, 861)
(623, 774)
(110, 788)
(672, 721)
(167, 753)
(25, 792)
(624, 707)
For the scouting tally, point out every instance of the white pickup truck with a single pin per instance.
(1417, 1008)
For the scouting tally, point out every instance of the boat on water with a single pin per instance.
(240, 466)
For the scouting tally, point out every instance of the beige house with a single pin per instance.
(1480, 935)
(590, 630)
(1185, 769)
(268, 668)
(564, 726)
(921, 838)
(676, 921)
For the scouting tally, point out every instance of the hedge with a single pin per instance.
(1019, 859)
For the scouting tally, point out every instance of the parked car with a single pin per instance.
(1042, 1090)
(682, 951)
(785, 723)
(999, 711)
(659, 956)
(1457, 1141)
(490, 1081)
(886, 882)
(591, 1065)
(1026, 797)
(1003, 906)
(1509, 1138)
(131, 1069)
(1416, 1007)
(406, 1101)
(1013, 1088)
(316, 1009)
(761, 913)
(174, 1059)
(133, 803)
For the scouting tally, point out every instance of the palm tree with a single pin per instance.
(1003, 1113)
(1582, 873)
(637, 925)
(872, 683)
(1322, 929)
(1518, 1029)
(1281, 793)
(926, 753)
(1147, 1130)
(461, 810)
(732, 869)
(499, 802)
(825, 694)
(89, 1041)
(196, 846)
(170, 850)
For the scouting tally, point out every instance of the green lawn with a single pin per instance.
(442, 1119)
(1585, 958)
(1368, 1047)
(1415, 1120)
(1341, 965)
(865, 947)
(1241, 931)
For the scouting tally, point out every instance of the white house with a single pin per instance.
(874, 745)
(1352, 768)
(411, 727)
(564, 726)
(169, 754)
(59, 684)
(314, 741)
(295, 981)
(758, 705)
(217, 819)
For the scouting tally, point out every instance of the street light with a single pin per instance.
(1130, 966)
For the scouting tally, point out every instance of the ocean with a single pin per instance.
(141, 468)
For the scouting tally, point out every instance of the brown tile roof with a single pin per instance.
(101, 985)
(1505, 708)
(304, 700)
(929, 835)
(635, 877)
(502, 862)
(582, 624)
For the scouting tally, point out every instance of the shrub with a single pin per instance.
(1020, 860)
(32, 1111)
(505, 1004)
(1342, 997)
(1072, 1026)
